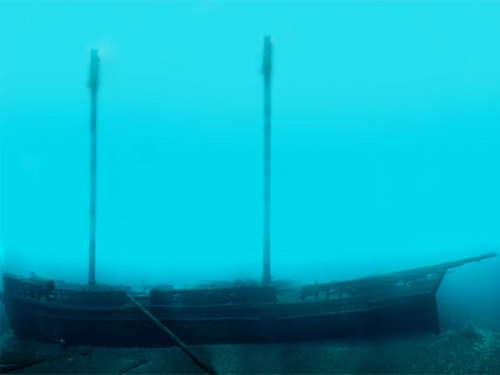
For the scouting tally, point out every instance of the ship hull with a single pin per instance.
(126, 326)
(398, 302)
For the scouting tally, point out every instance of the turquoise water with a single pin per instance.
(385, 134)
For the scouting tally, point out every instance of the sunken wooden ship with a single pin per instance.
(403, 301)
(262, 312)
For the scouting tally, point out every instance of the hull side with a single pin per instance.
(125, 326)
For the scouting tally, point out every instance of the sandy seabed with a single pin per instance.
(468, 345)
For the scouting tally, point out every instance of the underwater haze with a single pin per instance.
(385, 140)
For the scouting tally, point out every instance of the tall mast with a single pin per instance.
(266, 71)
(93, 82)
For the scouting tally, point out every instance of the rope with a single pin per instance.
(194, 357)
